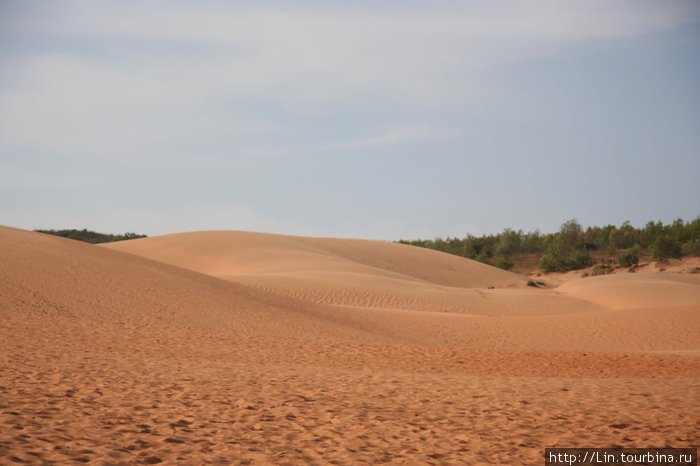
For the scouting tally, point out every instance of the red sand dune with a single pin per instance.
(325, 350)
(636, 290)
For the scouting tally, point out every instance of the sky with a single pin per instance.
(380, 120)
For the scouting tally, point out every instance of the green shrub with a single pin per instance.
(503, 263)
(579, 259)
(551, 262)
(691, 248)
(665, 248)
(483, 257)
(630, 257)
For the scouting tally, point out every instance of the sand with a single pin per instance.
(246, 348)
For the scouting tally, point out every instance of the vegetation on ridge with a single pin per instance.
(91, 236)
(573, 248)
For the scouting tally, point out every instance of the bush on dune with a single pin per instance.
(630, 257)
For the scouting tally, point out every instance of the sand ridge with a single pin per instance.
(112, 358)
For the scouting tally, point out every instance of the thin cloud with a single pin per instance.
(23, 179)
(302, 54)
(411, 133)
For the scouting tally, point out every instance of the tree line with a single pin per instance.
(91, 236)
(570, 248)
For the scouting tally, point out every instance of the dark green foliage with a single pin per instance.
(503, 263)
(567, 250)
(506, 244)
(551, 263)
(579, 259)
(650, 232)
(599, 238)
(665, 248)
(532, 242)
(630, 257)
(691, 248)
(482, 258)
(91, 236)
(623, 237)
(509, 242)
(570, 248)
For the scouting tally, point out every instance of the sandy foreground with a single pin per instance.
(247, 348)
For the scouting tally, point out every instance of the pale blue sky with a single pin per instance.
(381, 120)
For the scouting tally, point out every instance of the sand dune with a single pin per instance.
(624, 291)
(233, 253)
(358, 273)
(321, 350)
